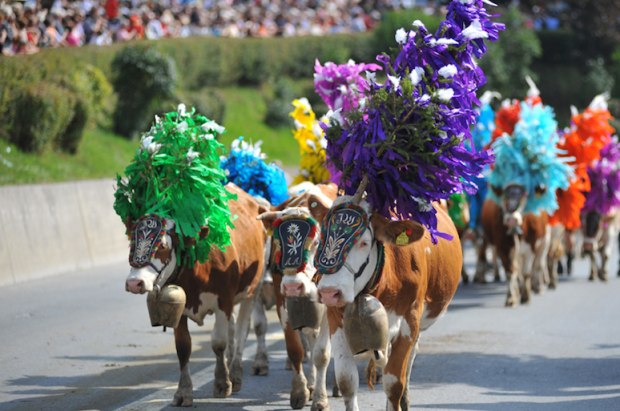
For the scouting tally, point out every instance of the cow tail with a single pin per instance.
(371, 374)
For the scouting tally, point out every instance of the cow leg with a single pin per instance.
(404, 401)
(495, 265)
(299, 384)
(183, 341)
(347, 377)
(593, 267)
(259, 319)
(395, 374)
(512, 276)
(310, 336)
(481, 264)
(320, 356)
(222, 386)
(241, 335)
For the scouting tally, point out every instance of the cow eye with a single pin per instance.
(363, 243)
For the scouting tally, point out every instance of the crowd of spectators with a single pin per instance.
(26, 26)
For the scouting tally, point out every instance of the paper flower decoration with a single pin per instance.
(176, 175)
(310, 136)
(581, 144)
(342, 86)
(604, 174)
(409, 137)
(245, 166)
(530, 157)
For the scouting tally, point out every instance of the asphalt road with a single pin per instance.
(80, 342)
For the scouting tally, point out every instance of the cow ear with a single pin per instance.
(317, 208)
(268, 218)
(396, 232)
(169, 224)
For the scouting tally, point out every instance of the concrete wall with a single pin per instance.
(47, 229)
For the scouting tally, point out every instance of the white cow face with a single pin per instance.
(513, 198)
(293, 246)
(349, 252)
(152, 256)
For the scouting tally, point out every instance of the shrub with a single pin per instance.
(69, 140)
(207, 102)
(142, 76)
(509, 59)
(279, 103)
(41, 113)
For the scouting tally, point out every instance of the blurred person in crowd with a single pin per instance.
(136, 26)
(153, 29)
(112, 10)
(7, 30)
(53, 38)
(124, 33)
(73, 34)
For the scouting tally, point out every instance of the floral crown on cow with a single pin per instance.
(176, 175)
(245, 166)
(408, 136)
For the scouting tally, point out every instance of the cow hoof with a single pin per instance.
(320, 406)
(619, 272)
(182, 400)
(260, 369)
(222, 389)
(299, 399)
(511, 302)
(336, 392)
(551, 286)
(591, 278)
(479, 279)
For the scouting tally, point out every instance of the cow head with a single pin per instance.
(350, 252)
(512, 202)
(295, 236)
(152, 255)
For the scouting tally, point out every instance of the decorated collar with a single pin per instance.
(342, 226)
(146, 239)
(292, 237)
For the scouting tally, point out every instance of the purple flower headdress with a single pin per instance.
(409, 136)
(342, 86)
(604, 175)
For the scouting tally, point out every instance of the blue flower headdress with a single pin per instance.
(409, 137)
(530, 158)
(246, 167)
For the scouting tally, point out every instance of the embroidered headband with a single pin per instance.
(342, 226)
(146, 239)
(292, 238)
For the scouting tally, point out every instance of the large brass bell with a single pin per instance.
(304, 312)
(166, 305)
(366, 326)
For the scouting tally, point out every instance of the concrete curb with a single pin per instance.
(48, 229)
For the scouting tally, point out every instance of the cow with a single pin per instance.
(297, 280)
(214, 287)
(599, 231)
(397, 263)
(521, 241)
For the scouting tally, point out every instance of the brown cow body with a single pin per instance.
(599, 234)
(417, 282)
(308, 203)
(215, 287)
(523, 255)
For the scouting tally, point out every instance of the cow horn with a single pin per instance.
(360, 190)
(268, 215)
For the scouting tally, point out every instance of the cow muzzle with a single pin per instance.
(293, 289)
(331, 297)
(135, 286)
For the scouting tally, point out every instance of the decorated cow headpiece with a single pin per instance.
(408, 138)
(530, 158)
(293, 235)
(581, 144)
(175, 176)
(604, 195)
(245, 166)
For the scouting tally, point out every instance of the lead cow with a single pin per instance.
(214, 287)
(397, 263)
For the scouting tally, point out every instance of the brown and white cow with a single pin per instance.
(299, 280)
(397, 263)
(214, 287)
(599, 233)
(521, 241)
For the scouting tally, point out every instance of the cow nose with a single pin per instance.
(330, 296)
(134, 286)
(293, 289)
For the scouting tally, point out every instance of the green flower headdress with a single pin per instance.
(176, 175)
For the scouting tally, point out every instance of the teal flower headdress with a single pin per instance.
(176, 175)
(245, 166)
